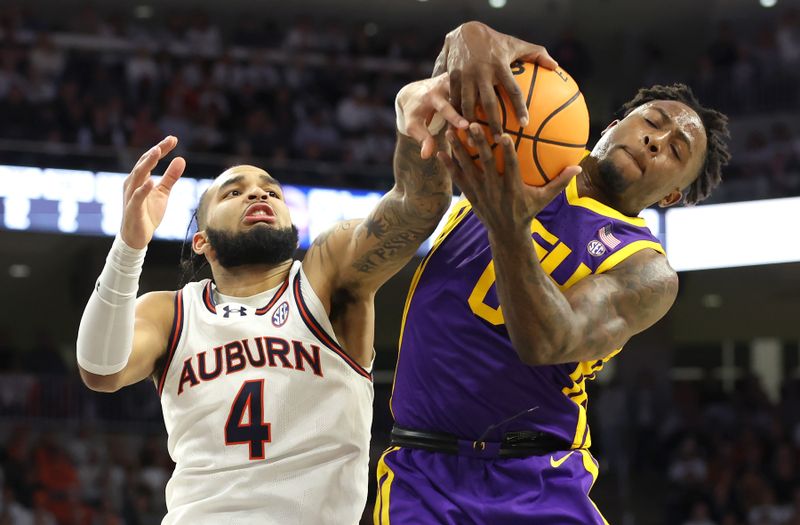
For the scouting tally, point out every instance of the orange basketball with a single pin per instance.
(558, 124)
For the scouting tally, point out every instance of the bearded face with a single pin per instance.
(258, 245)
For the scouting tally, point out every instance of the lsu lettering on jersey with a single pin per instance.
(268, 418)
(457, 371)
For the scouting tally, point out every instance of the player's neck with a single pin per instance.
(589, 185)
(244, 281)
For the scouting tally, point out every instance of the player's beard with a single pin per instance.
(259, 245)
(614, 181)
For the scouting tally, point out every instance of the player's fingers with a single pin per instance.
(140, 195)
(460, 180)
(172, 174)
(166, 145)
(455, 88)
(491, 106)
(537, 54)
(516, 95)
(484, 149)
(141, 171)
(418, 131)
(449, 113)
(461, 155)
(511, 175)
(468, 101)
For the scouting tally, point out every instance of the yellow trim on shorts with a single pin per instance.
(380, 516)
(460, 210)
(592, 468)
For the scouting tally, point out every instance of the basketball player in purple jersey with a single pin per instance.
(524, 296)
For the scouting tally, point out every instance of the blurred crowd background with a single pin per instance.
(311, 99)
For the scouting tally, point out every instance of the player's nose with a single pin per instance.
(258, 194)
(653, 142)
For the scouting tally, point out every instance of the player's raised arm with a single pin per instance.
(547, 326)
(362, 254)
(478, 58)
(119, 339)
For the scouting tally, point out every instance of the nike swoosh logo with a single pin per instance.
(557, 463)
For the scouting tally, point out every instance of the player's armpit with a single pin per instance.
(612, 307)
(154, 315)
(361, 255)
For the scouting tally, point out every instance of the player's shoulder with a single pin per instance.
(157, 305)
(647, 268)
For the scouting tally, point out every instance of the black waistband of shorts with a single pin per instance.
(517, 444)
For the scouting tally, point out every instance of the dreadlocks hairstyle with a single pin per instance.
(717, 134)
(191, 263)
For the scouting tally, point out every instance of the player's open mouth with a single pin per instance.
(260, 212)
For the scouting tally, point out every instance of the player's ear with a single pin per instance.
(610, 125)
(671, 199)
(200, 243)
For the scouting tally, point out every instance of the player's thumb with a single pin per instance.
(535, 53)
(558, 184)
(419, 132)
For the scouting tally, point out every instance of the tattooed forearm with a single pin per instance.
(424, 183)
(588, 321)
(408, 214)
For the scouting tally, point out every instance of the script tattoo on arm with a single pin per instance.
(407, 215)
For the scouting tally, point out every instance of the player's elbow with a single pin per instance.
(99, 383)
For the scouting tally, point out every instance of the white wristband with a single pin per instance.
(105, 335)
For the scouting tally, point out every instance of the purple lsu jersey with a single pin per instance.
(457, 371)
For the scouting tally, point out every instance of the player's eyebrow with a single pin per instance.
(266, 179)
(682, 136)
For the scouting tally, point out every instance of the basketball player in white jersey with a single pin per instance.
(264, 371)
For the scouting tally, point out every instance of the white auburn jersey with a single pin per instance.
(268, 418)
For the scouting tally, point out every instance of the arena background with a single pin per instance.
(696, 422)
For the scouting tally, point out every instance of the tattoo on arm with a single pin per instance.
(638, 296)
(321, 248)
(409, 213)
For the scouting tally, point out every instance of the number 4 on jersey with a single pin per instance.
(250, 401)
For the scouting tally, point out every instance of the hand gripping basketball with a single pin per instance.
(144, 202)
(500, 200)
(477, 58)
(558, 127)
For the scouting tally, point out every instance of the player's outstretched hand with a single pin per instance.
(145, 202)
(423, 108)
(501, 201)
(479, 58)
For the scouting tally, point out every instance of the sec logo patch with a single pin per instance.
(596, 248)
(281, 314)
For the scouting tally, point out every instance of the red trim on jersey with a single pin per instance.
(174, 337)
(278, 294)
(208, 298)
(320, 333)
